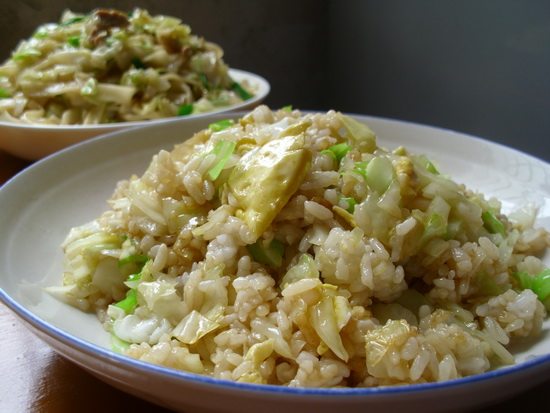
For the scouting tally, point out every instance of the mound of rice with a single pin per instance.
(290, 249)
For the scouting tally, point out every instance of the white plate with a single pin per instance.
(36, 141)
(69, 188)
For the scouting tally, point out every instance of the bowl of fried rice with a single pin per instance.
(90, 74)
(286, 259)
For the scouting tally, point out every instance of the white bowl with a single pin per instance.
(69, 188)
(36, 141)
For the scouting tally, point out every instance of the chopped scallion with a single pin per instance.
(118, 345)
(221, 125)
(138, 259)
(431, 168)
(72, 20)
(89, 88)
(493, 224)
(26, 54)
(134, 277)
(74, 41)
(4, 93)
(239, 90)
(539, 284)
(186, 109)
(287, 108)
(204, 81)
(361, 168)
(337, 151)
(428, 165)
(350, 204)
(270, 255)
(129, 303)
(223, 151)
(41, 34)
(133, 280)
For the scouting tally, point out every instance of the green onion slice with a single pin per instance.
(74, 41)
(337, 151)
(129, 303)
(242, 92)
(185, 110)
(73, 20)
(270, 255)
(223, 151)
(539, 284)
(221, 125)
(350, 202)
(493, 224)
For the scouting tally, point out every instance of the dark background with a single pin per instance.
(480, 67)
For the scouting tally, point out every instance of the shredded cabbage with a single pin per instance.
(110, 66)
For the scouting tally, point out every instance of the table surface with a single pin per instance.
(36, 379)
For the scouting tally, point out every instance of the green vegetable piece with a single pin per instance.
(525, 280)
(361, 168)
(74, 41)
(539, 284)
(221, 125)
(134, 277)
(4, 93)
(239, 90)
(427, 164)
(118, 345)
(41, 33)
(204, 81)
(223, 151)
(350, 202)
(137, 63)
(137, 259)
(359, 133)
(270, 255)
(72, 20)
(337, 151)
(133, 280)
(185, 110)
(89, 88)
(287, 108)
(431, 168)
(379, 174)
(493, 224)
(26, 54)
(129, 303)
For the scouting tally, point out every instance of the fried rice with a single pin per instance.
(290, 249)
